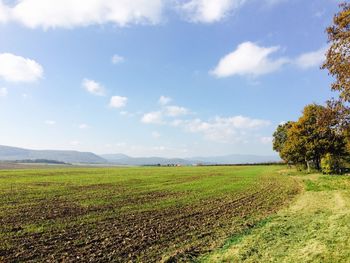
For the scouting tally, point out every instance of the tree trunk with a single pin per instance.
(307, 165)
(318, 164)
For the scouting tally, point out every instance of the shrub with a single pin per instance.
(331, 164)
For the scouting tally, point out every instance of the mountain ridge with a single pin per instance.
(8, 153)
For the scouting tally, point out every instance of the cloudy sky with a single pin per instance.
(158, 77)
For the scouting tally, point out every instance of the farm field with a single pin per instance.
(134, 214)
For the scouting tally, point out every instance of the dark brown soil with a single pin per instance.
(176, 234)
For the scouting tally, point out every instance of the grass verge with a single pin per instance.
(314, 228)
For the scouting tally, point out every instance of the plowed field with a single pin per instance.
(173, 214)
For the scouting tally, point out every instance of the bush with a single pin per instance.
(331, 164)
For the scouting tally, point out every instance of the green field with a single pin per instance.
(175, 214)
(133, 214)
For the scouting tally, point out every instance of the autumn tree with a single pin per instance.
(338, 55)
(309, 139)
(337, 116)
(280, 136)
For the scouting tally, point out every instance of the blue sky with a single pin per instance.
(156, 77)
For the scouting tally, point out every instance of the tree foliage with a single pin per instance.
(280, 136)
(331, 164)
(338, 55)
(314, 135)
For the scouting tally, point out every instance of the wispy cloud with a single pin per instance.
(218, 129)
(174, 111)
(312, 59)
(15, 68)
(117, 59)
(164, 100)
(155, 117)
(249, 59)
(225, 129)
(93, 87)
(209, 11)
(118, 102)
(165, 112)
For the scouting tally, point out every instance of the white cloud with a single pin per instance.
(209, 11)
(4, 13)
(311, 59)
(117, 59)
(230, 129)
(156, 135)
(249, 59)
(83, 126)
(50, 122)
(93, 87)
(174, 111)
(19, 69)
(118, 102)
(76, 13)
(234, 129)
(163, 100)
(3, 92)
(154, 117)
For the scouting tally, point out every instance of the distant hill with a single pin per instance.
(115, 157)
(8, 153)
(122, 159)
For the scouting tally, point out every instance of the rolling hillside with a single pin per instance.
(8, 153)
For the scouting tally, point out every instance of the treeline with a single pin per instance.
(44, 161)
(320, 138)
(245, 164)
